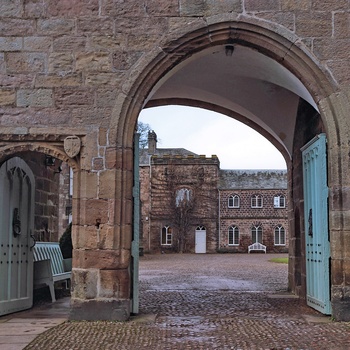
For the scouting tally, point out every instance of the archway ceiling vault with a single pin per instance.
(247, 83)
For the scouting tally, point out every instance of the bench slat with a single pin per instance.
(49, 265)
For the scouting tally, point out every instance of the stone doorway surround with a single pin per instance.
(72, 68)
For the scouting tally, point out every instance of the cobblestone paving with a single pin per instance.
(208, 302)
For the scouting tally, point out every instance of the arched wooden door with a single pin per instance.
(16, 228)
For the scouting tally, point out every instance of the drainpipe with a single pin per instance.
(219, 213)
(150, 203)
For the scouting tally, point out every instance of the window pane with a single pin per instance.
(236, 236)
(163, 235)
(230, 201)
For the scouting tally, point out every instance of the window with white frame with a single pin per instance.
(167, 235)
(233, 235)
(233, 201)
(256, 201)
(257, 234)
(279, 201)
(280, 235)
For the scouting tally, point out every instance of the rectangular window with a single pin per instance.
(233, 236)
(279, 202)
(257, 234)
(280, 236)
(256, 201)
(233, 201)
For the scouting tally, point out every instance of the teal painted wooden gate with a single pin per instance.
(316, 224)
(16, 226)
(135, 244)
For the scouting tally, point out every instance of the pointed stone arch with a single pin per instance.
(274, 42)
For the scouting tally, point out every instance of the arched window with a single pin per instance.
(233, 235)
(233, 201)
(257, 234)
(167, 235)
(279, 201)
(256, 201)
(280, 235)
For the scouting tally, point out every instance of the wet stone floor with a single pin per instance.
(219, 301)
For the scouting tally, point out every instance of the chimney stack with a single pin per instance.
(152, 142)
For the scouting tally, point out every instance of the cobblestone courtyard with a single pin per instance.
(208, 302)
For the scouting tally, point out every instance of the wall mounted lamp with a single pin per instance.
(229, 50)
(49, 160)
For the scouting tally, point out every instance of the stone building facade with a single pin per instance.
(222, 203)
(87, 68)
(253, 208)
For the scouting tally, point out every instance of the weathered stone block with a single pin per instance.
(341, 25)
(7, 97)
(34, 98)
(111, 157)
(126, 237)
(74, 96)
(163, 8)
(37, 43)
(117, 8)
(16, 27)
(339, 70)
(69, 43)
(114, 283)
(11, 8)
(314, 24)
(106, 42)
(98, 163)
(285, 19)
(97, 259)
(124, 60)
(73, 8)
(103, 137)
(34, 8)
(94, 211)
(330, 5)
(106, 97)
(324, 48)
(84, 283)
(107, 184)
(44, 80)
(2, 63)
(103, 26)
(142, 42)
(56, 26)
(295, 5)
(258, 5)
(61, 63)
(26, 62)
(17, 80)
(11, 44)
(94, 61)
(101, 309)
(88, 184)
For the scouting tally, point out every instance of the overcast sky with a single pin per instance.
(205, 132)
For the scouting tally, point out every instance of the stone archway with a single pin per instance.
(303, 77)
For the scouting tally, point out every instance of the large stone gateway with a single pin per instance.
(86, 69)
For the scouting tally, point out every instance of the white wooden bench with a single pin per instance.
(50, 267)
(257, 246)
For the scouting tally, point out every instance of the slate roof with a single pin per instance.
(253, 179)
(160, 152)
